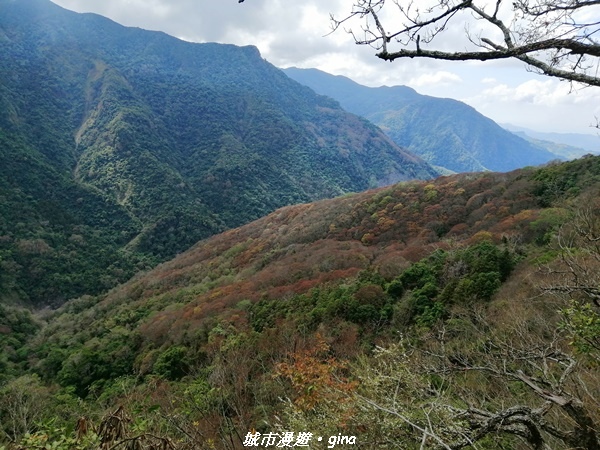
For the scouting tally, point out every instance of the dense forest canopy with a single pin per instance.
(122, 147)
(460, 293)
(453, 312)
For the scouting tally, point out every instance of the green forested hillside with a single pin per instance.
(121, 147)
(444, 132)
(459, 312)
(465, 306)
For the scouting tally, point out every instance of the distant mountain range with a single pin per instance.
(444, 132)
(121, 147)
(569, 145)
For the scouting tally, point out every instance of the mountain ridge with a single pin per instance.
(580, 142)
(451, 312)
(445, 132)
(179, 140)
(293, 257)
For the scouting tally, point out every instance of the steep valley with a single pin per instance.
(199, 253)
(116, 157)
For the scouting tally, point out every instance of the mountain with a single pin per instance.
(560, 150)
(444, 132)
(121, 147)
(300, 300)
(569, 145)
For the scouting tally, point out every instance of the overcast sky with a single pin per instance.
(294, 33)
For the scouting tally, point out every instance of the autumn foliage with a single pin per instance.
(315, 375)
(211, 343)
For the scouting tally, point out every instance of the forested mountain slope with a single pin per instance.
(121, 147)
(445, 283)
(570, 145)
(560, 150)
(443, 131)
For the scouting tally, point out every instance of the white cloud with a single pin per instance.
(549, 93)
(542, 104)
(489, 80)
(438, 78)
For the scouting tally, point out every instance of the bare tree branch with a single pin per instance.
(550, 36)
